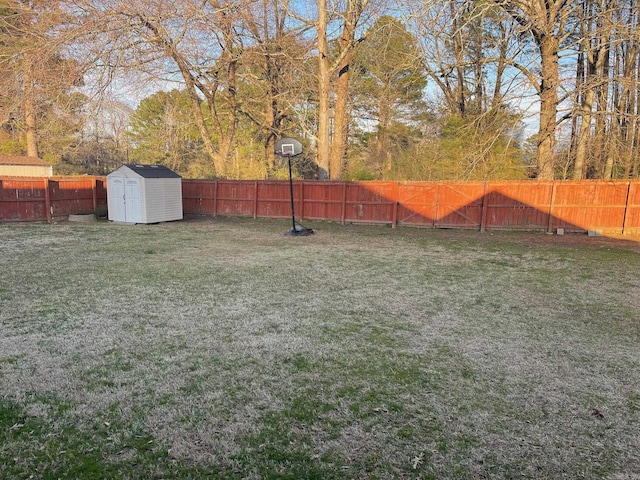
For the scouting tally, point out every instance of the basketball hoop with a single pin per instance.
(287, 148)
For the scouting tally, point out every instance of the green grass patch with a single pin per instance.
(55, 448)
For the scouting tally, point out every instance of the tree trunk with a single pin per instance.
(227, 135)
(602, 100)
(193, 85)
(496, 102)
(459, 54)
(341, 122)
(270, 137)
(271, 123)
(29, 109)
(584, 134)
(205, 135)
(323, 93)
(548, 106)
(384, 119)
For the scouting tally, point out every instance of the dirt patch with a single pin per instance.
(582, 240)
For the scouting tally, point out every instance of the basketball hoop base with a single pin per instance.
(299, 231)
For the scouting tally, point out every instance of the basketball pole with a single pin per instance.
(293, 216)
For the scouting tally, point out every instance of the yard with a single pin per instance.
(221, 348)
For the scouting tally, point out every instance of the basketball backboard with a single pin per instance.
(288, 147)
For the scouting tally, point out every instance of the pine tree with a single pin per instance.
(388, 85)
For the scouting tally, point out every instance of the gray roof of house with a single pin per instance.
(153, 171)
(22, 160)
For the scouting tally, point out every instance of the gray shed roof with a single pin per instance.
(153, 171)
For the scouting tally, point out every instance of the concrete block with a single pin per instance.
(90, 217)
(559, 231)
(594, 233)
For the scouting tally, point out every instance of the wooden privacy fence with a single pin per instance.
(49, 199)
(608, 207)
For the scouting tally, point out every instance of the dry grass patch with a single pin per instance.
(223, 348)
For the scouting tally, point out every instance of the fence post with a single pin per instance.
(255, 199)
(301, 201)
(396, 201)
(626, 209)
(343, 214)
(94, 187)
(551, 202)
(47, 200)
(436, 213)
(215, 198)
(483, 217)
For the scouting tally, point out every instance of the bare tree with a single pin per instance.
(623, 141)
(195, 42)
(331, 63)
(604, 127)
(35, 74)
(549, 24)
(271, 72)
(459, 45)
(593, 50)
(350, 18)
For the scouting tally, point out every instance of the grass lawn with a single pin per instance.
(222, 348)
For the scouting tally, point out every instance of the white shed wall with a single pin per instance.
(163, 200)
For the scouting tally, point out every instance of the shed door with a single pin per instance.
(117, 203)
(132, 200)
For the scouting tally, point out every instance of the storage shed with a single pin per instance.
(19, 166)
(144, 194)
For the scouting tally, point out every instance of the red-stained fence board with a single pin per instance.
(459, 205)
(590, 205)
(236, 198)
(71, 196)
(632, 214)
(199, 197)
(324, 200)
(274, 199)
(417, 203)
(370, 202)
(22, 200)
(517, 205)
